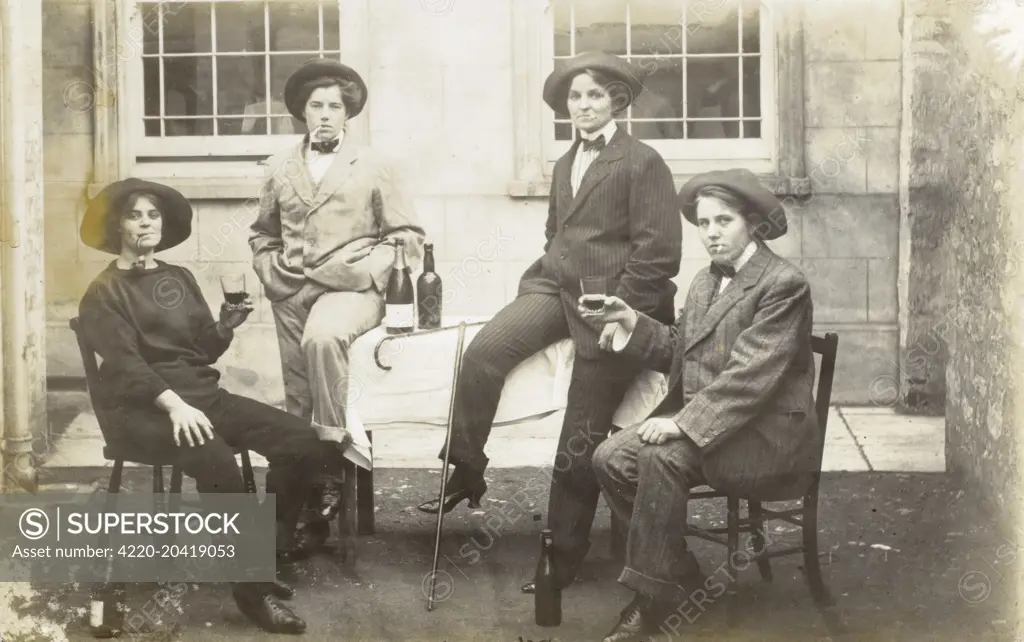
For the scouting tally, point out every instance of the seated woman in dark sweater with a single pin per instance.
(158, 341)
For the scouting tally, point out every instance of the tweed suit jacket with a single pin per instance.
(304, 231)
(741, 362)
(623, 224)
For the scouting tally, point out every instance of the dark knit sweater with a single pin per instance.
(154, 331)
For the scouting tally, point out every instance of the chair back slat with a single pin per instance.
(92, 375)
(827, 346)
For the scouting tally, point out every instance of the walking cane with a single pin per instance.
(444, 469)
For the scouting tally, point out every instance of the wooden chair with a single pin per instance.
(113, 453)
(805, 516)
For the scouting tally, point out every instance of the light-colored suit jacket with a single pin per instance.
(304, 231)
(740, 365)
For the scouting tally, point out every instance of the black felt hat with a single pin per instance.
(556, 87)
(766, 215)
(174, 208)
(321, 68)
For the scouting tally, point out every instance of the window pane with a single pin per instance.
(562, 26)
(751, 26)
(295, 26)
(187, 27)
(332, 26)
(563, 130)
(240, 26)
(150, 29)
(712, 28)
(661, 99)
(751, 96)
(751, 86)
(656, 27)
(188, 91)
(713, 93)
(151, 86)
(601, 26)
(240, 83)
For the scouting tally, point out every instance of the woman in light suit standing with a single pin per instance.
(323, 244)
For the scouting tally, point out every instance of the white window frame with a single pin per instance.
(777, 157)
(120, 139)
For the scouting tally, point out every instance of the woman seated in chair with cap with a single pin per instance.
(739, 415)
(158, 340)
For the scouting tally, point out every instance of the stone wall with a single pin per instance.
(449, 116)
(965, 185)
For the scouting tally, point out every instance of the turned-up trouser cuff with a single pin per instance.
(647, 487)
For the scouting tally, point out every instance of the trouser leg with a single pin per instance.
(290, 444)
(656, 480)
(336, 320)
(290, 316)
(595, 392)
(524, 327)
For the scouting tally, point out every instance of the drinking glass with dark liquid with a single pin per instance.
(234, 288)
(594, 290)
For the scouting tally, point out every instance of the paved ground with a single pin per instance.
(908, 554)
(908, 557)
(859, 439)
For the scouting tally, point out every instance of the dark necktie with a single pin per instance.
(325, 147)
(591, 145)
(722, 270)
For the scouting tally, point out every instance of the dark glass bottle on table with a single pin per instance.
(399, 300)
(547, 597)
(428, 292)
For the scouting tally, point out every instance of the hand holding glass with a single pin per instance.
(234, 289)
(594, 290)
(613, 310)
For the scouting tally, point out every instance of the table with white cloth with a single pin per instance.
(416, 390)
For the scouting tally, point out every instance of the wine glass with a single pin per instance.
(233, 287)
(594, 290)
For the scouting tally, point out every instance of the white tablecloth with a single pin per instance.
(417, 389)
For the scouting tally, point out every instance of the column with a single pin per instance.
(23, 310)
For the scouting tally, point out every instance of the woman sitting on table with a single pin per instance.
(158, 340)
(739, 415)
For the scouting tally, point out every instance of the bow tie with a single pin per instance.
(590, 145)
(722, 270)
(325, 147)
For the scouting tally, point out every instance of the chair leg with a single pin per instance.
(347, 526)
(618, 544)
(114, 486)
(365, 498)
(757, 535)
(732, 541)
(176, 482)
(812, 567)
(247, 475)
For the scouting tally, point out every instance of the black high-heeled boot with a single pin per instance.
(463, 484)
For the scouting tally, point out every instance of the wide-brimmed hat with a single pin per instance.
(174, 208)
(321, 68)
(766, 214)
(556, 87)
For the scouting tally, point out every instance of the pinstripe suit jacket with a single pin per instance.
(741, 368)
(623, 223)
